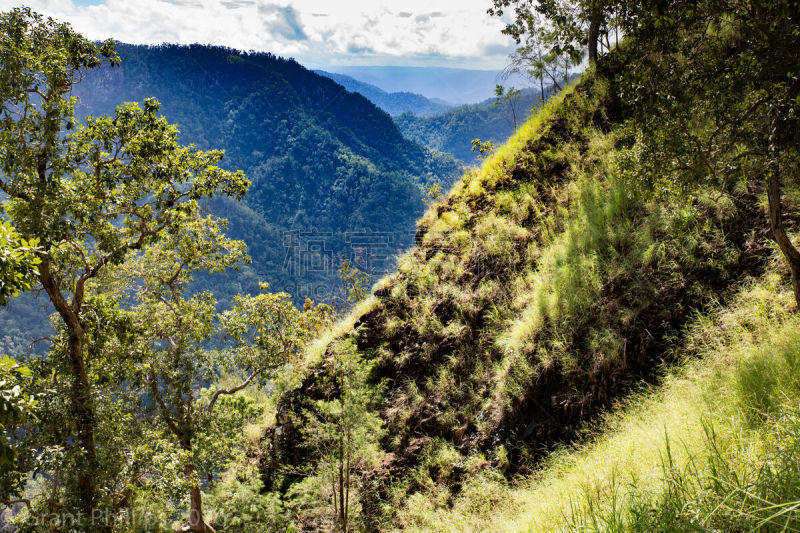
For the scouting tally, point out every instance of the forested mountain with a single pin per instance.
(332, 176)
(393, 103)
(453, 131)
(321, 160)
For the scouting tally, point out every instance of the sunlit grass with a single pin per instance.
(726, 407)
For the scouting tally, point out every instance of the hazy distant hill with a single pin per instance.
(453, 130)
(457, 86)
(392, 103)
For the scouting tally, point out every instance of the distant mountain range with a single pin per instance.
(452, 131)
(456, 86)
(393, 103)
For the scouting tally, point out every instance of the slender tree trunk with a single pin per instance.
(342, 520)
(779, 232)
(196, 521)
(595, 21)
(335, 498)
(541, 88)
(347, 484)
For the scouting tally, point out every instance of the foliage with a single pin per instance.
(715, 129)
(91, 192)
(17, 263)
(16, 407)
(484, 148)
(241, 505)
(508, 98)
(344, 433)
(264, 332)
(562, 28)
(356, 281)
(435, 192)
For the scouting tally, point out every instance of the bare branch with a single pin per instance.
(232, 390)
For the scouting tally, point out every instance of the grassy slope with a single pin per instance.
(714, 448)
(544, 288)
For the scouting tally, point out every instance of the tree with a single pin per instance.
(345, 431)
(356, 282)
(716, 97)
(434, 193)
(177, 331)
(91, 192)
(558, 28)
(509, 97)
(484, 148)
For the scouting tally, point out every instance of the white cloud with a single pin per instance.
(317, 32)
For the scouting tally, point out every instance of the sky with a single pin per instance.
(318, 33)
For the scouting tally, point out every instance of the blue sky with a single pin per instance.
(319, 33)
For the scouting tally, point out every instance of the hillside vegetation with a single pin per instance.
(322, 161)
(452, 131)
(595, 330)
(592, 265)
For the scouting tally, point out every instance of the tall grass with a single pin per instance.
(716, 447)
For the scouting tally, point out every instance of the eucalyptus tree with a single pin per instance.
(187, 347)
(90, 192)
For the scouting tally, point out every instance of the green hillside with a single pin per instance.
(588, 335)
(595, 330)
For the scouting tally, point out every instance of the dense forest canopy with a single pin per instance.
(322, 161)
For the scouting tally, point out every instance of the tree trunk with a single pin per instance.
(595, 21)
(196, 521)
(83, 413)
(779, 232)
(541, 88)
(342, 516)
(81, 407)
